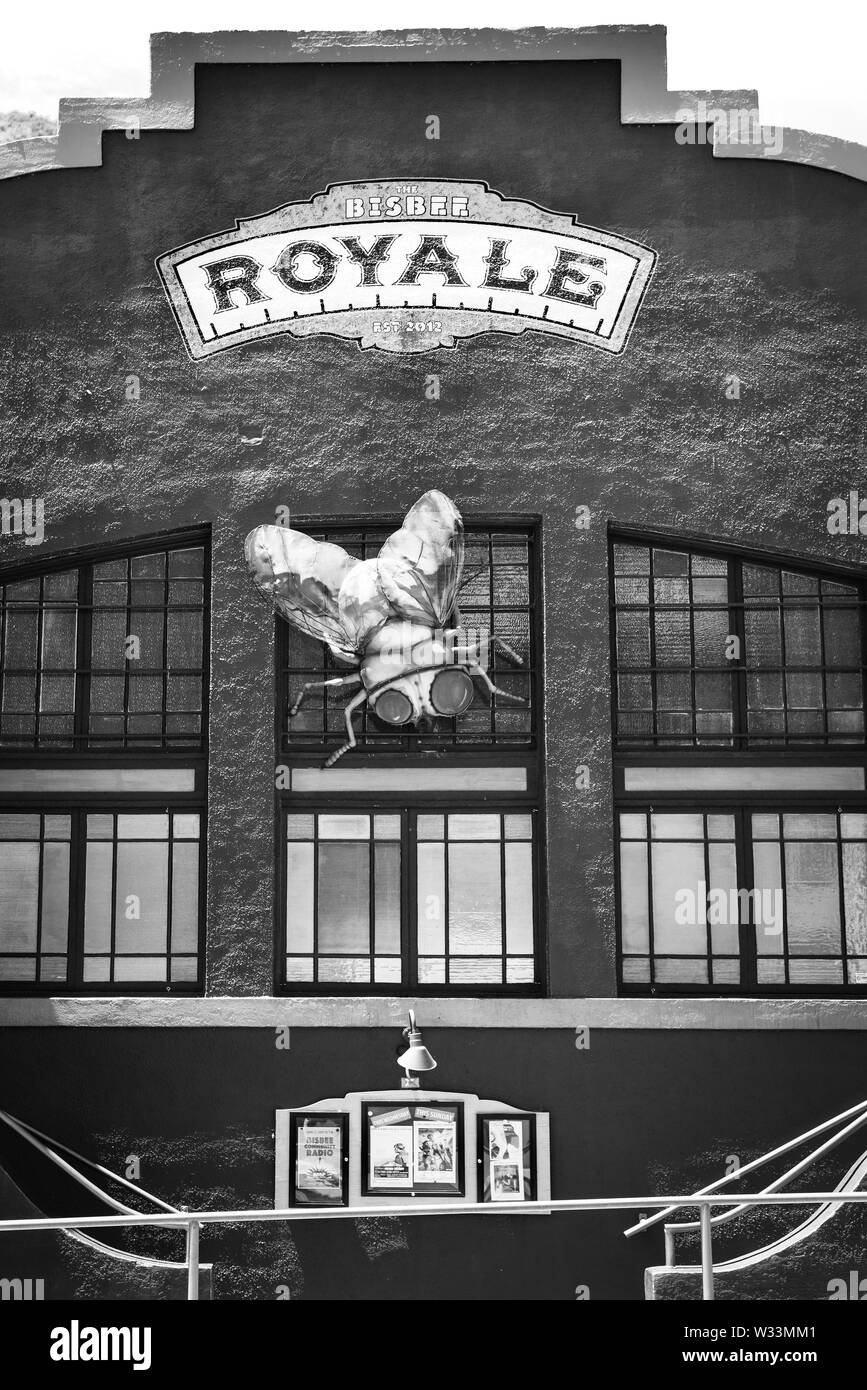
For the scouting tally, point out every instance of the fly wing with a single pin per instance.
(303, 577)
(420, 565)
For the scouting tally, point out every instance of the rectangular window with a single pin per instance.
(714, 651)
(101, 898)
(106, 655)
(745, 900)
(497, 596)
(410, 899)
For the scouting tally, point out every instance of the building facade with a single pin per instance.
(634, 894)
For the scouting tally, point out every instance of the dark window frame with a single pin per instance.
(763, 746)
(741, 804)
(83, 561)
(191, 754)
(410, 810)
(742, 807)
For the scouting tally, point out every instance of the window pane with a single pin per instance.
(634, 916)
(768, 880)
(299, 897)
(344, 896)
(475, 971)
(386, 827)
(723, 884)
(344, 827)
(475, 905)
(474, 827)
(430, 883)
(387, 896)
(519, 898)
(141, 895)
(146, 827)
(22, 827)
(349, 971)
(19, 895)
(97, 902)
(429, 827)
(855, 896)
(185, 897)
(519, 827)
(812, 898)
(679, 923)
(141, 970)
(432, 971)
(55, 896)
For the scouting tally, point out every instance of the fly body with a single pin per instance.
(386, 617)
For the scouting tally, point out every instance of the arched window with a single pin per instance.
(103, 743)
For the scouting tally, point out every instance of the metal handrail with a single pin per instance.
(34, 1135)
(860, 1108)
(193, 1221)
(780, 1182)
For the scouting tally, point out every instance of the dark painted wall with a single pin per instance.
(197, 1107)
(758, 276)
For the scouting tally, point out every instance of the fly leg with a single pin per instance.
(469, 653)
(504, 647)
(351, 741)
(476, 670)
(321, 685)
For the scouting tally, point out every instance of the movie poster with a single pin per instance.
(435, 1148)
(390, 1150)
(506, 1155)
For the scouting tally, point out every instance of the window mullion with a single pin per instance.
(745, 879)
(77, 890)
(737, 622)
(83, 661)
(409, 903)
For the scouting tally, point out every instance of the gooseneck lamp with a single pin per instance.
(416, 1058)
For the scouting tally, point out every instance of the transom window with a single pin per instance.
(497, 596)
(714, 650)
(412, 899)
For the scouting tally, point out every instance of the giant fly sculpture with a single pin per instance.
(387, 617)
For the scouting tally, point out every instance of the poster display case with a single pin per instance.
(507, 1157)
(388, 1148)
(318, 1159)
(416, 1149)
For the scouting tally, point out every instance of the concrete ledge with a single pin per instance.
(823, 1015)
(640, 49)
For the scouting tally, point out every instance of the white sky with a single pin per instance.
(805, 59)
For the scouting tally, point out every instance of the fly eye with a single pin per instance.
(393, 707)
(451, 692)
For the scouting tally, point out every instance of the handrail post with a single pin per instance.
(669, 1246)
(707, 1291)
(192, 1260)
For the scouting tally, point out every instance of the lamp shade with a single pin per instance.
(416, 1057)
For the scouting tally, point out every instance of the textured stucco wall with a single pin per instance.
(757, 276)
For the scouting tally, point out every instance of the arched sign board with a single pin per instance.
(385, 1148)
(406, 267)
